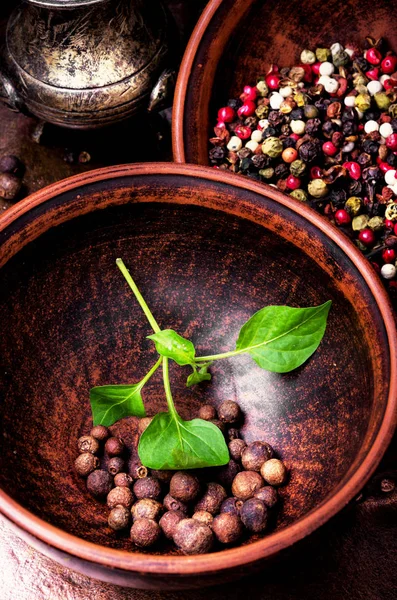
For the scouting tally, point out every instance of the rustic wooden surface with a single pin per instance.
(353, 557)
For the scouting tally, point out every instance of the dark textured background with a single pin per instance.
(353, 557)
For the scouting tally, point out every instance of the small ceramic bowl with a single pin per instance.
(207, 250)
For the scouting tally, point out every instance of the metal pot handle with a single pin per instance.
(9, 94)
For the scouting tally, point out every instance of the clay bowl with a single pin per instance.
(237, 40)
(207, 250)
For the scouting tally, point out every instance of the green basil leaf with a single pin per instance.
(171, 345)
(281, 338)
(171, 443)
(109, 403)
(198, 376)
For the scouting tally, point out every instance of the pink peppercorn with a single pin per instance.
(391, 141)
(389, 224)
(308, 73)
(250, 93)
(389, 84)
(373, 74)
(389, 255)
(316, 68)
(342, 217)
(315, 173)
(373, 56)
(389, 64)
(247, 109)
(273, 81)
(243, 132)
(354, 169)
(226, 114)
(293, 183)
(366, 237)
(395, 229)
(384, 166)
(329, 149)
(295, 136)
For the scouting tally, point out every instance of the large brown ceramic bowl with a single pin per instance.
(207, 250)
(235, 41)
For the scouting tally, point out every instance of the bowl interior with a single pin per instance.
(237, 42)
(206, 256)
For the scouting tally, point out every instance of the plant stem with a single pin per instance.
(138, 295)
(223, 355)
(151, 372)
(167, 388)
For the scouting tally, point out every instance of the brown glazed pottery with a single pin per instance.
(235, 41)
(207, 250)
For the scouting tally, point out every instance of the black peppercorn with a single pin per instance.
(212, 498)
(309, 151)
(289, 142)
(146, 509)
(236, 448)
(145, 532)
(370, 147)
(116, 465)
(120, 496)
(253, 514)
(203, 517)
(193, 537)
(297, 114)
(85, 463)
(123, 480)
(268, 495)
(114, 446)
(313, 126)
(392, 160)
(119, 518)
(227, 473)
(255, 454)
(169, 521)
(231, 505)
(251, 122)
(184, 486)
(364, 159)
(10, 186)
(227, 528)
(229, 412)
(171, 503)
(87, 443)
(281, 170)
(99, 432)
(217, 154)
(245, 484)
(269, 132)
(260, 161)
(99, 483)
(349, 128)
(148, 487)
(275, 118)
(234, 103)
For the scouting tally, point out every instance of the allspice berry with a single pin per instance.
(233, 433)
(169, 521)
(145, 532)
(116, 465)
(231, 506)
(114, 446)
(10, 186)
(268, 495)
(119, 518)
(255, 454)
(86, 463)
(99, 483)
(144, 424)
(123, 480)
(87, 443)
(274, 472)
(148, 487)
(236, 448)
(212, 498)
(227, 473)
(227, 528)
(253, 514)
(203, 517)
(245, 484)
(100, 432)
(163, 476)
(137, 470)
(11, 164)
(120, 496)
(193, 537)
(146, 509)
(207, 412)
(171, 504)
(184, 486)
(229, 412)
(219, 424)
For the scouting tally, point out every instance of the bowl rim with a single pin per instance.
(275, 542)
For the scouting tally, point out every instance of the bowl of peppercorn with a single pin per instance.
(196, 374)
(304, 102)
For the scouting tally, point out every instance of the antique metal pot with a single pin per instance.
(85, 63)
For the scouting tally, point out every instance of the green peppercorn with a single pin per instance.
(340, 58)
(393, 111)
(297, 168)
(376, 224)
(262, 88)
(300, 195)
(317, 188)
(360, 222)
(323, 54)
(382, 100)
(310, 111)
(267, 173)
(391, 211)
(262, 111)
(301, 99)
(353, 205)
(363, 102)
(272, 147)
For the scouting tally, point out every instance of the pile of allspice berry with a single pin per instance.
(199, 511)
(325, 132)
